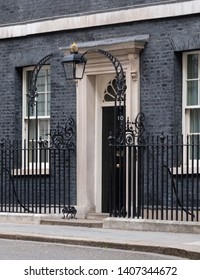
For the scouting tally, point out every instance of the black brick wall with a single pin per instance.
(22, 10)
(161, 95)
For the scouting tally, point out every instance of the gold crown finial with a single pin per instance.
(74, 48)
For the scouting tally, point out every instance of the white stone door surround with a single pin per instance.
(89, 111)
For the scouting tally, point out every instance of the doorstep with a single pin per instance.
(73, 222)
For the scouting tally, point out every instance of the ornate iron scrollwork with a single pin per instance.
(135, 129)
(62, 137)
(128, 133)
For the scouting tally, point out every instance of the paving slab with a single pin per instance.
(185, 245)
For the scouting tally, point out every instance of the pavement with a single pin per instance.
(182, 242)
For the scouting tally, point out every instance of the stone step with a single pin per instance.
(73, 222)
(97, 216)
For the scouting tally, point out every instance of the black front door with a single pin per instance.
(107, 126)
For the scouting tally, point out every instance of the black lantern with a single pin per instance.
(74, 64)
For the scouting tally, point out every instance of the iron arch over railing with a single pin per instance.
(120, 77)
(118, 135)
(36, 175)
(32, 94)
(62, 138)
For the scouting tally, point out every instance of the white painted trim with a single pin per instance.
(184, 72)
(79, 21)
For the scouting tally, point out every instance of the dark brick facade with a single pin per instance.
(21, 10)
(161, 95)
(161, 61)
(160, 79)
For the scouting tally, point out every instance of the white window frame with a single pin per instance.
(186, 108)
(31, 168)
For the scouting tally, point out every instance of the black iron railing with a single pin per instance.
(157, 178)
(39, 176)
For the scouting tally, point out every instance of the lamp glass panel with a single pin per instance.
(69, 70)
(80, 67)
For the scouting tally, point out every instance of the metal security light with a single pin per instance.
(74, 64)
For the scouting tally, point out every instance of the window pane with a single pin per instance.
(44, 129)
(108, 97)
(195, 147)
(48, 80)
(48, 103)
(41, 104)
(29, 109)
(32, 151)
(192, 66)
(110, 91)
(41, 81)
(32, 129)
(192, 93)
(195, 121)
(28, 78)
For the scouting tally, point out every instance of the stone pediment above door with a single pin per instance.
(116, 44)
(124, 48)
